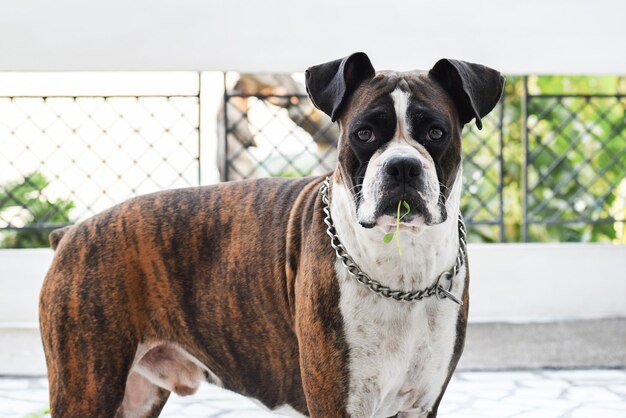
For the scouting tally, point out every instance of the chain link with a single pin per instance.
(377, 287)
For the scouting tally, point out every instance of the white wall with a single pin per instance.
(509, 283)
(514, 36)
(21, 275)
(546, 282)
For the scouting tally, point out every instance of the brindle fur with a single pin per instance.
(264, 318)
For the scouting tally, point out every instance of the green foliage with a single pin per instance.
(43, 413)
(293, 174)
(37, 214)
(577, 158)
(578, 177)
(479, 157)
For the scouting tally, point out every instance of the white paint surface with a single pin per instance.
(509, 283)
(21, 276)
(532, 36)
(546, 282)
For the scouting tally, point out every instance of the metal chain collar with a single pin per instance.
(353, 269)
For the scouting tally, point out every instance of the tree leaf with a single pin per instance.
(388, 238)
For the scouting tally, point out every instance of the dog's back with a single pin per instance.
(196, 268)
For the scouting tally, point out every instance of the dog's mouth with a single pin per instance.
(403, 209)
(406, 209)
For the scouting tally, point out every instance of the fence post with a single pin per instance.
(525, 160)
(224, 176)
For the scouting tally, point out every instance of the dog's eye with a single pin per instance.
(365, 135)
(434, 134)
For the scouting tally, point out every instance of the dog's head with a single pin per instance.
(401, 131)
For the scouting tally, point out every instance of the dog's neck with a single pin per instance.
(425, 253)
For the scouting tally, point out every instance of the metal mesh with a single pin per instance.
(63, 159)
(66, 158)
(576, 164)
(482, 200)
(277, 135)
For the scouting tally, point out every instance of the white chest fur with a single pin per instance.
(399, 352)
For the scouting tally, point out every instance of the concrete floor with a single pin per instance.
(489, 346)
(591, 384)
(558, 345)
(592, 393)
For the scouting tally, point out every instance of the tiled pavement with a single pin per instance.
(514, 394)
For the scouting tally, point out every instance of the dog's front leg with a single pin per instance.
(323, 353)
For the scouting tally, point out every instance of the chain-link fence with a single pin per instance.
(575, 177)
(275, 135)
(65, 158)
(305, 144)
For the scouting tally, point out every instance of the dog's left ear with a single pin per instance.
(475, 89)
(330, 84)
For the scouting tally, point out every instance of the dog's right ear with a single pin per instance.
(329, 85)
(475, 89)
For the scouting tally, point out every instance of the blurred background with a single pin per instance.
(104, 101)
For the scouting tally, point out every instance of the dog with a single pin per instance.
(284, 290)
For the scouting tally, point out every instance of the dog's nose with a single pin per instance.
(403, 169)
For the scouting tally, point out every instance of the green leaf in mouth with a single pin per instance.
(389, 236)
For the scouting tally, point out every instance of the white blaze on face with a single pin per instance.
(402, 145)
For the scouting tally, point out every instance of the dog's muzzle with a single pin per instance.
(402, 180)
(403, 171)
